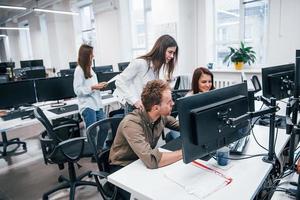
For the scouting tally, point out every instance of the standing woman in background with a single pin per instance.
(87, 88)
(159, 63)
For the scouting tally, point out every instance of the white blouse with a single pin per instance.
(87, 98)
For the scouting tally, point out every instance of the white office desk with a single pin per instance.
(248, 175)
(18, 122)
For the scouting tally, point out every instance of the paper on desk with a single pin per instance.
(195, 181)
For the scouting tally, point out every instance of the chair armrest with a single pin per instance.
(67, 148)
(64, 126)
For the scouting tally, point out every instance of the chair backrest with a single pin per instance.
(175, 95)
(39, 114)
(256, 83)
(106, 127)
(177, 83)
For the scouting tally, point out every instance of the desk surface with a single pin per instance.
(248, 175)
(17, 123)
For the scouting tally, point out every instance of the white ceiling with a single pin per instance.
(9, 14)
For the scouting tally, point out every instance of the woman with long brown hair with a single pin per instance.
(159, 63)
(87, 88)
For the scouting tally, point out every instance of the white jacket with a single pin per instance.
(130, 83)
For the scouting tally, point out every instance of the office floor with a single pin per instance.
(24, 175)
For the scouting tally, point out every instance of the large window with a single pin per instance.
(88, 25)
(240, 20)
(138, 27)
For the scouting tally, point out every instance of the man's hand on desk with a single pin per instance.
(168, 158)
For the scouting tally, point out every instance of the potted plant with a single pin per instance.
(240, 56)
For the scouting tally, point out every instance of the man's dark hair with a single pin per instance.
(152, 93)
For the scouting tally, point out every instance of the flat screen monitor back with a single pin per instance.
(104, 77)
(122, 66)
(57, 88)
(278, 81)
(202, 127)
(105, 68)
(14, 94)
(35, 73)
(72, 65)
(31, 63)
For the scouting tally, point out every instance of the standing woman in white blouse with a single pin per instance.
(159, 63)
(87, 88)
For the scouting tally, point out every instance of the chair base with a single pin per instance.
(71, 183)
(5, 143)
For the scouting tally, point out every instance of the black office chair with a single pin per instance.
(177, 83)
(175, 95)
(256, 83)
(58, 150)
(251, 93)
(107, 126)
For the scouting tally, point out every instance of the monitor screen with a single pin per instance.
(202, 120)
(104, 77)
(56, 88)
(15, 94)
(106, 68)
(278, 81)
(122, 66)
(31, 63)
(72, 65)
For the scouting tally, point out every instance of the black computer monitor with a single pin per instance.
(15, 94)
(35, 73)
(72, 65)
(37, 63)
(5, 65)
(67, 72)
(105, 68)
(278, 81)
(31, 63)
(122, 66)
(56, 88)
(202, 120)
(104, 77)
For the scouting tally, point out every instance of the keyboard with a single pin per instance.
(23, 114)
(64, 109)
(238, 146)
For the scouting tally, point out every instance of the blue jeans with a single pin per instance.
(91, 116)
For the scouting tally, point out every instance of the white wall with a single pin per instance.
(284, 31)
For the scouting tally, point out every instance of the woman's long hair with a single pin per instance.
(158, 52)
(85, 59)
(196, 76)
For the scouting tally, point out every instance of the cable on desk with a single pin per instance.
(245, 157)
(255, 137)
